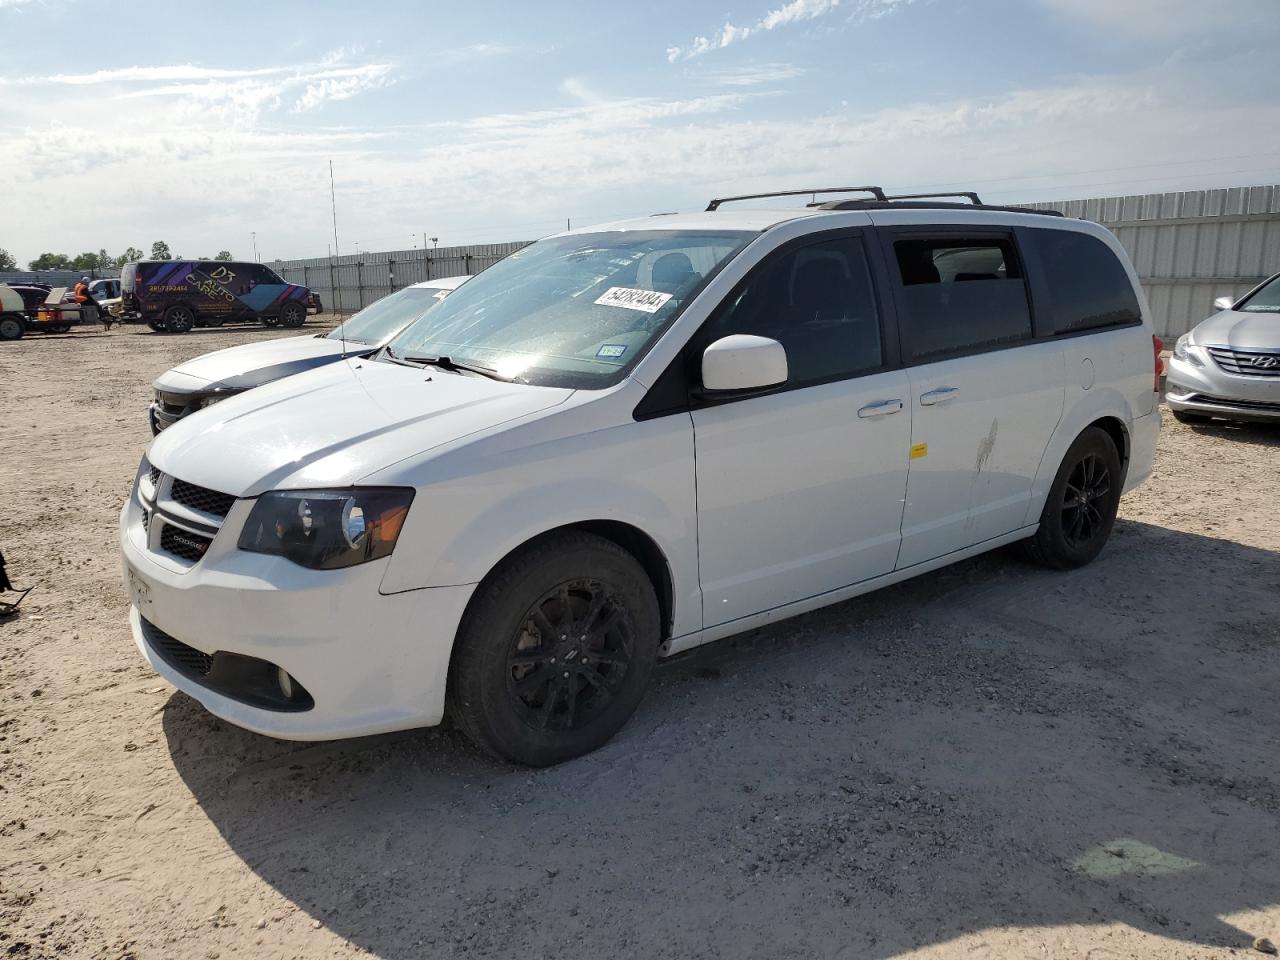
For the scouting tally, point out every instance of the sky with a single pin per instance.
(125, 122)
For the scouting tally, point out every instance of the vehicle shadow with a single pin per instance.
(1257, 434)
(230, 328)
(992, 747)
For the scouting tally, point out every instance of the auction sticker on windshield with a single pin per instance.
(646, 301)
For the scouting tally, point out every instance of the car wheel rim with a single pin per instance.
(10, 329)
(1085, 498)
(570, 656)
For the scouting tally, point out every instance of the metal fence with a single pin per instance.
(347, 283)
(1189, 248)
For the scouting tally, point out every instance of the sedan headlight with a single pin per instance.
(1182, 351)
(327, 529)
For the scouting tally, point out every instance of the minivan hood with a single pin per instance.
(253, 364)
(334, 425)
(1239, 329)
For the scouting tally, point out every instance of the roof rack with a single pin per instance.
(876, 192)
(967, 194)
(895, 203)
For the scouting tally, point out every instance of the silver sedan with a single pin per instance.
(1228, 366)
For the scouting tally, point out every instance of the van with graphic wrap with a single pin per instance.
(175, 295)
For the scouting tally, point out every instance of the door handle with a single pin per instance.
(940, 395)
(880, 408)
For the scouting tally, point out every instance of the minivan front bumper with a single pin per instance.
(365, 662)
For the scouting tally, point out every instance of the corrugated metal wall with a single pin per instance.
(1189, 248)
(347, 283)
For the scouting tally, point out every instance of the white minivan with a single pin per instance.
(624, 441)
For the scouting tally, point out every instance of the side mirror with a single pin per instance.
(743, 362)
(1224, 303)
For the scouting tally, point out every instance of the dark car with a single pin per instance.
(176, 295)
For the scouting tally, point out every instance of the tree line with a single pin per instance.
(101, 260)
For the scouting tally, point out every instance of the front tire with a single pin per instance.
(1081, 508)
(555, 651)
(179, 319)
(11, 327)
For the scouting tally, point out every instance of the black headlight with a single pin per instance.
(327, 529)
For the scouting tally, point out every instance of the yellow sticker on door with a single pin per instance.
(919, 450)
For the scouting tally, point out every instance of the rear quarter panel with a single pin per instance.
(1109, 373)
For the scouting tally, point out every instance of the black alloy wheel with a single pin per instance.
(570, 656)
(1087, 492)
(1081, 507)
(555, 650)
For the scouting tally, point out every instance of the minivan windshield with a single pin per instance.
(383, 318)
(1266, 300)
(574, 311)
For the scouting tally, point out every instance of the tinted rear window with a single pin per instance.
(961, 295)
(1088, 285)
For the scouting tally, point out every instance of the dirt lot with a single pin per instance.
(990, 761)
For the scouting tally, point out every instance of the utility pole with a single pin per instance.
(256, 258)
(333, 205)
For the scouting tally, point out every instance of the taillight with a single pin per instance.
(1157, 345)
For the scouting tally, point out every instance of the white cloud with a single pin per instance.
(751, 75)
(199, 180)
(218, 95)
(175, 72)
(342, 85)
(797, 11)
(793, 12)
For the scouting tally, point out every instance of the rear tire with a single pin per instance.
(293, 314)
(179, 319)
(12, 327)
(555, 650)
(1081, 508)
(1183, 416)
(60, 328)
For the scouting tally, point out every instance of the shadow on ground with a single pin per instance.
(989, 747)
(1259, 434)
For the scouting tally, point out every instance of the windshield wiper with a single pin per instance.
(448, 363)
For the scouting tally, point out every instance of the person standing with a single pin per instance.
(85, 299)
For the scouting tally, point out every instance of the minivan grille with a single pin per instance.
(170, 530)
(201, 498)
(1249, 363)
(183, 543)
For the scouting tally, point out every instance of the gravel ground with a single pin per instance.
(989, 761)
